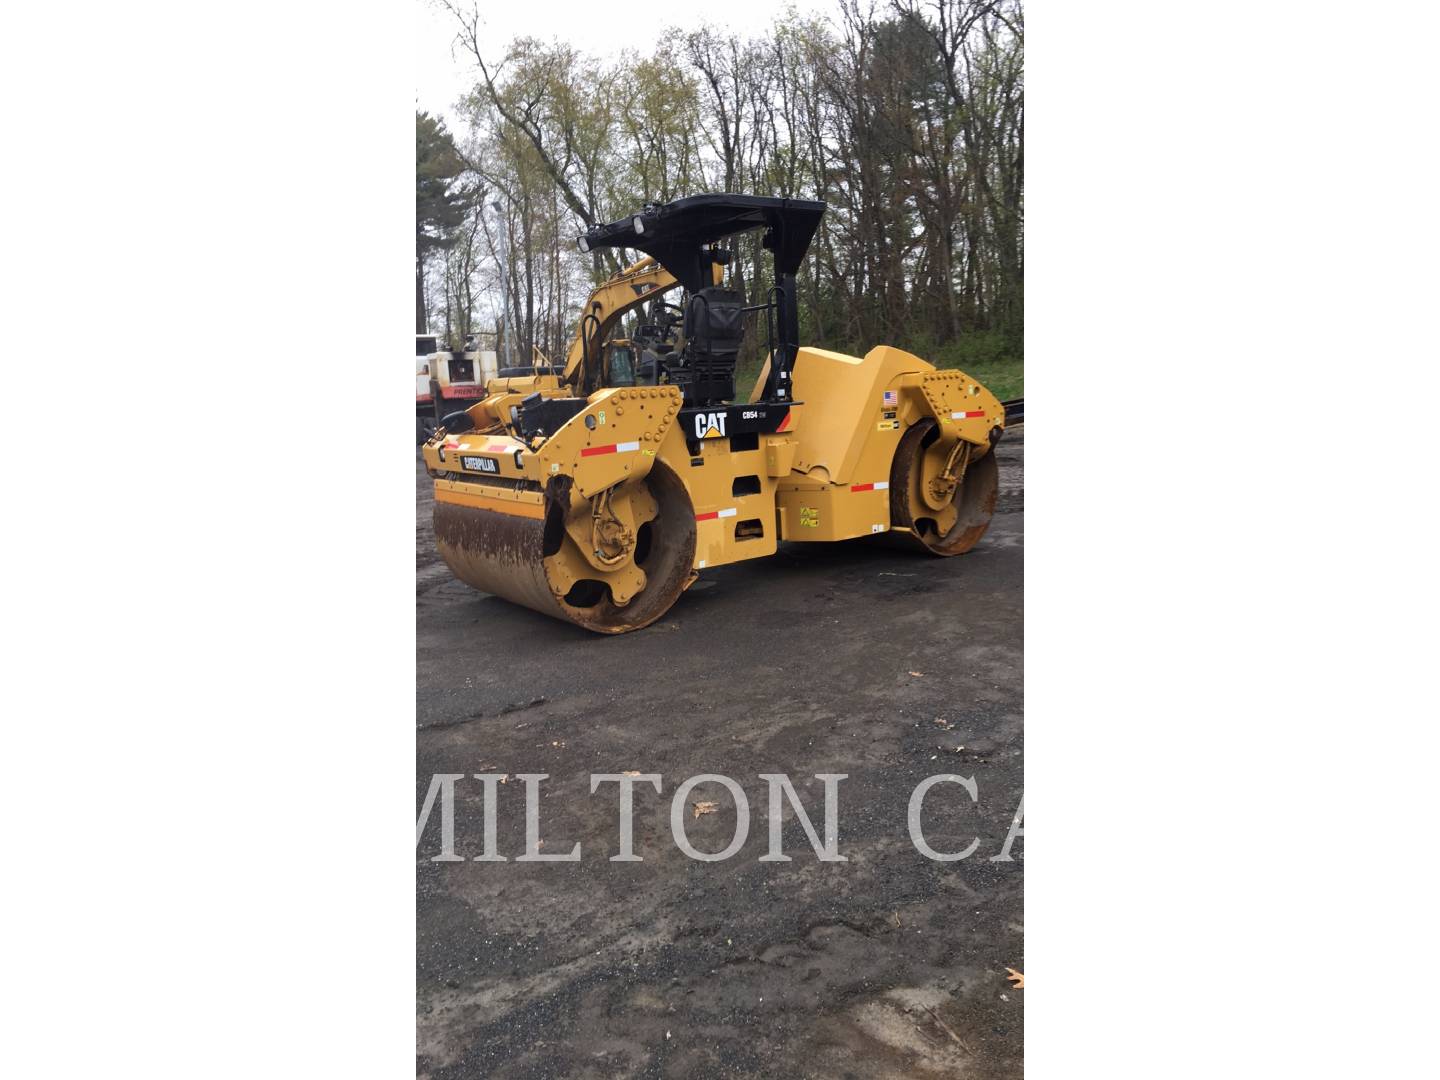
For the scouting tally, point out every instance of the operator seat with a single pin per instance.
(714, 327)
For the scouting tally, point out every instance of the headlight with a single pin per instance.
(583, 244)
(639, 224)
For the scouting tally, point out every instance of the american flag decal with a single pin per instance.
(891, 398)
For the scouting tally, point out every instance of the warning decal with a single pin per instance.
(613, 448)
(716, 514)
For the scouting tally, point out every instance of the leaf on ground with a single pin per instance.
(918, 674)
(1016, 978)
(705, 808)
(631, 772)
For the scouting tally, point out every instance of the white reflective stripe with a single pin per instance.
(621, 448)
(882, 485)
(727, 513)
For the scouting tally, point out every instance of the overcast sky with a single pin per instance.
(606, 30)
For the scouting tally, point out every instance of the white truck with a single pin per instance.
(457, 379)
(427, 348)
(447, 381)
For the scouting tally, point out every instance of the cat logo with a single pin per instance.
(710, 425)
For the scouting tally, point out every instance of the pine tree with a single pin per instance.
(439, 205)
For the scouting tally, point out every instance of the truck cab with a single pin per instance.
(457, 379)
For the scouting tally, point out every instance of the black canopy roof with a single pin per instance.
(675, 232)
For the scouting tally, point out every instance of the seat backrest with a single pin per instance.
(715, 321)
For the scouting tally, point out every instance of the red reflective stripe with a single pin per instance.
(591, 451)
(977, 412)
(784, 422)
(707, 517)
(862, 487)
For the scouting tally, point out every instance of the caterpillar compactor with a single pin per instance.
(599, 495)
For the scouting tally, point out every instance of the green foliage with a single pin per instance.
(985, 355)
(1003, 374)
(747, 370)
(439, 208)
(988, 355)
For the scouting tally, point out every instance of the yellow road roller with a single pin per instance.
(599, 495)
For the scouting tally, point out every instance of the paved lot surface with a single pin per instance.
(846, 658)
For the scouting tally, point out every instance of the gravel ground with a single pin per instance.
(845, 658)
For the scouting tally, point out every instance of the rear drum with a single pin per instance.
(958, 526)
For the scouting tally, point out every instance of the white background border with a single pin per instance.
(1230, 360)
